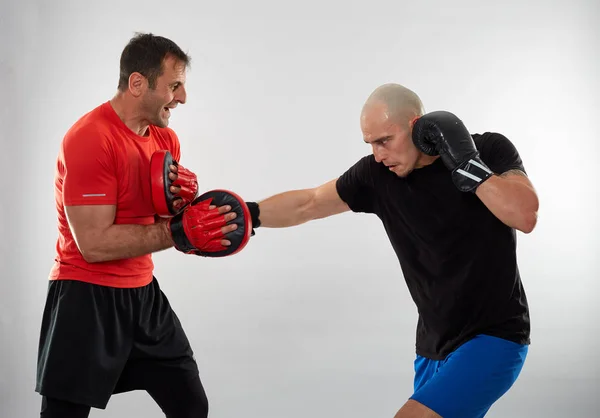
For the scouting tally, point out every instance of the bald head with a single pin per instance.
(399, 104)
(386, 122)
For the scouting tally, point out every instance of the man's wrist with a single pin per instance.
(165, 231)
(468, 176)
(254, 213)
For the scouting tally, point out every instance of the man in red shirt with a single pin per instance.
(107, 327)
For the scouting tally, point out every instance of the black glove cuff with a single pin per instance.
(254, 213)
(182, 243)
(468, 176)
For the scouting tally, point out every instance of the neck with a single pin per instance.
(127, 111)
(425, 160)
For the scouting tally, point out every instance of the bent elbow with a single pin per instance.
(89, 254)
(529, 223)
(530, 215)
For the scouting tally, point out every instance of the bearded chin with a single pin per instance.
(160, 120)
(155, 114)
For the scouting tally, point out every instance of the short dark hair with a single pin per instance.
(145, 54)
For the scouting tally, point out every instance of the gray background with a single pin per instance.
(314, 321)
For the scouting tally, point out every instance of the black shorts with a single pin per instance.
(96, 341)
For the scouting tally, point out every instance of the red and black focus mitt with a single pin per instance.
(197, 229)
(166, 203)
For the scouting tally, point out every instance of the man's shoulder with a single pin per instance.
(487, 138)
(498, 151)
(364, 167)
(90, 134)
(367, 161)
(93, 123)
(488, 141)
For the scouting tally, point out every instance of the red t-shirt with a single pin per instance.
(102, 162)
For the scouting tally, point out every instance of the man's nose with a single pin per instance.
(181, 95)
(377, 153)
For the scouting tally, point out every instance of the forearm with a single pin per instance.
(128, 241)
(286, 209)
(511, 201)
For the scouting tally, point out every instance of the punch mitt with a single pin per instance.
(162, 198)
(197, 229)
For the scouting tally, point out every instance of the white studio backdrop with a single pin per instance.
(314, 321)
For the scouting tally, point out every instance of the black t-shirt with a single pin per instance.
(459, 261)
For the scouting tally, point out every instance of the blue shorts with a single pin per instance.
(469, 380)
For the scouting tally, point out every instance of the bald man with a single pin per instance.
(451, 204)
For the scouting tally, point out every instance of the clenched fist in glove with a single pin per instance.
(168, 202)
(202, 226)
(442, 133)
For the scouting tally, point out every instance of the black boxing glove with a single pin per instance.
(442, 133)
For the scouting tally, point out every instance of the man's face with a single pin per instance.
(390, 139)
(168, 92)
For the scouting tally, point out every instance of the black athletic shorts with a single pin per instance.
(96, 341)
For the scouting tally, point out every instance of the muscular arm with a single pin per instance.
(99, 239)
(299, 206)
(511, 198)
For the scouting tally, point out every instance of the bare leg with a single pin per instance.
(414, 409)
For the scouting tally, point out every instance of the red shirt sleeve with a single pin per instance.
(88, 169)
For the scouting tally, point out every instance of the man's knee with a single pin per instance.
(183, 398)
(198, 407)
(414, 409)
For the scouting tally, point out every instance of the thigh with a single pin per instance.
(54, 408)
(425, 369)
(473, 377)
(85, 338)
(162, 360)
(159, 333)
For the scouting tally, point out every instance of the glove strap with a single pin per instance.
(254, 215)
(468, 176)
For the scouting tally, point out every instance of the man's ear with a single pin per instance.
(412, 121)
(137, 84)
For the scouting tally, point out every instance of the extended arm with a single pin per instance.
(296, 207)
(511, 198)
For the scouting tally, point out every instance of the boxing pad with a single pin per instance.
(162, 198)
(197, 229)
